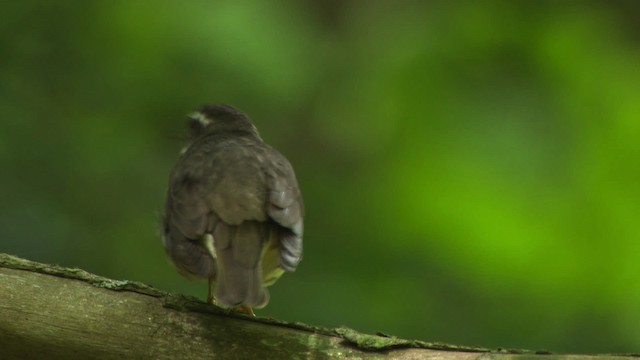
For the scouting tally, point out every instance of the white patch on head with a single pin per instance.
(200, 117)
(209, 242)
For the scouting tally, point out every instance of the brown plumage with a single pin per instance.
(233, 211)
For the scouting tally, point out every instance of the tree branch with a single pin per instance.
(47, 311)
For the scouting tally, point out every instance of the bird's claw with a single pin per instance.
(244, 309)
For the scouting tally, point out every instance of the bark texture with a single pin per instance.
(51, 312)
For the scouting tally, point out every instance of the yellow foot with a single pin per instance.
(244, 309)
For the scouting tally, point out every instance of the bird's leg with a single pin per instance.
(244, 309)
(208, 242)
(210, 298)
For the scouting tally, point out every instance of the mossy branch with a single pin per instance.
(47, 311)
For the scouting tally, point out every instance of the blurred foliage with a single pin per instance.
(470, 168)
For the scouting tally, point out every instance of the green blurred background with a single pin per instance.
(470, 168)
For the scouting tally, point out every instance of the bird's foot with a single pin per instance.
(244, 309)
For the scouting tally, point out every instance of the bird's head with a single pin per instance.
(219, 118)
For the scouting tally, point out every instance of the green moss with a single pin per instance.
(14, 262)
(381, 343)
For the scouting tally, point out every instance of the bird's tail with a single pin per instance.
(239, 274)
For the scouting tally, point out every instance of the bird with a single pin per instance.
(234, 212)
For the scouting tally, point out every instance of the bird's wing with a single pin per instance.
(186, 219)
(286, 208)
(186, 209)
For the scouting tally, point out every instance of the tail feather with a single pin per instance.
(239, 277)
